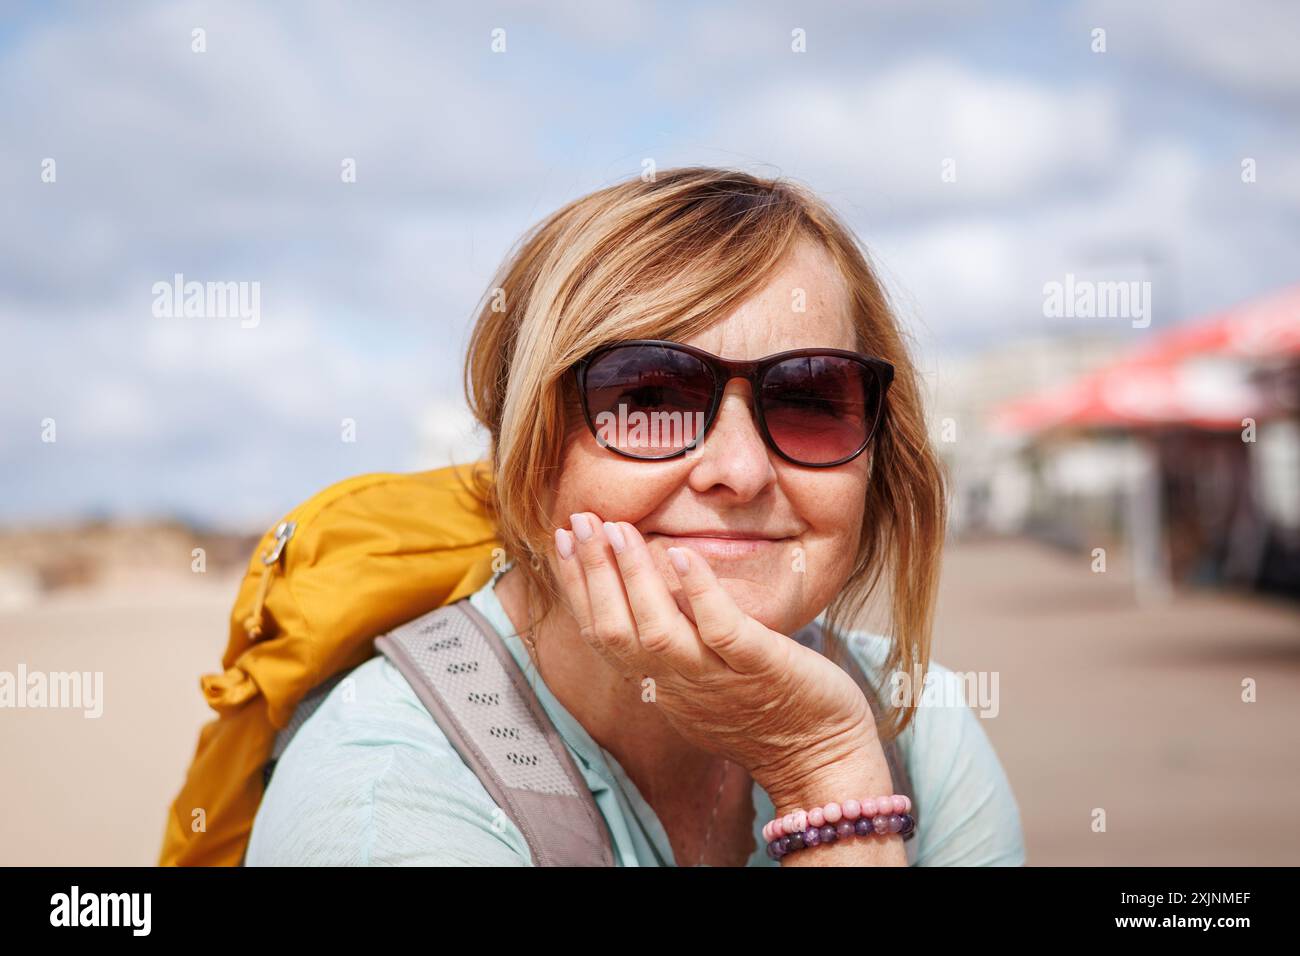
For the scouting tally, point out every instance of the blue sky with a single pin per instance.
(224, 165)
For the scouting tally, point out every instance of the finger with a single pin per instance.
(611, 625)
(721, 624)
(572, 581)
(660, 625)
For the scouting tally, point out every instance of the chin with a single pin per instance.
(772, 609)
(752, 590)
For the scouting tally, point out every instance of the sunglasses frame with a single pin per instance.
(753, 371)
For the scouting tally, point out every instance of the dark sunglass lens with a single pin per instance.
(820, 409)
(646, 400)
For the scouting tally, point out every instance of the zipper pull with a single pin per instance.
(253, 623)
(282, 535)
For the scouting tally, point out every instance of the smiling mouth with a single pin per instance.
(717, 546)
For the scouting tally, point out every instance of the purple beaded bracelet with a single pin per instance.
(901, 823)
(872, 816)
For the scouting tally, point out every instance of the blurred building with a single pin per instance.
(992, 487)
(1185, 451)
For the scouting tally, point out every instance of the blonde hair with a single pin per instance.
(667, 259)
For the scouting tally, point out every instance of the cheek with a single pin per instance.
(832, 505)
(619, 489)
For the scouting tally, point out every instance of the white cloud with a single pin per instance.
(885, 137)
(1247, 47)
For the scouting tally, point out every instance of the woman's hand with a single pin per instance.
(725, 681)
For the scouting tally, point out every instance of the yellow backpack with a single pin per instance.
(351, 563)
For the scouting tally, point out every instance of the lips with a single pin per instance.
(719, 544)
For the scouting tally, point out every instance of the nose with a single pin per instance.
(733, 454)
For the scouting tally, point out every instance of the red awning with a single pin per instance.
(1261, 328)
(1140, 394)
(1196, 375)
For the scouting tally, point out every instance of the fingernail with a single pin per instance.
(615, 537)
(679, 559)
(563, 543)
(581, 527)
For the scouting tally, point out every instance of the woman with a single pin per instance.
(705, 432)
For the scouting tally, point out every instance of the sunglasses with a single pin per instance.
(653, 400)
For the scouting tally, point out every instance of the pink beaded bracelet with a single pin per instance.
(873, 815)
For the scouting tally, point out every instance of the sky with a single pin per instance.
(225, 165)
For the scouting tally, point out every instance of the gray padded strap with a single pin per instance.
(306, 707)
(463, 673)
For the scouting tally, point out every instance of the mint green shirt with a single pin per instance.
(371, 780)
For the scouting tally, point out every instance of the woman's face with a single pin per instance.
(800, 526)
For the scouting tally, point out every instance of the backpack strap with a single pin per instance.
(464, 674)
(814, 636)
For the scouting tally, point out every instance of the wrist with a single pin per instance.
(853, 768)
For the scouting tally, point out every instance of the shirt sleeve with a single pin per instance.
(370, 780)
(967, 813)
